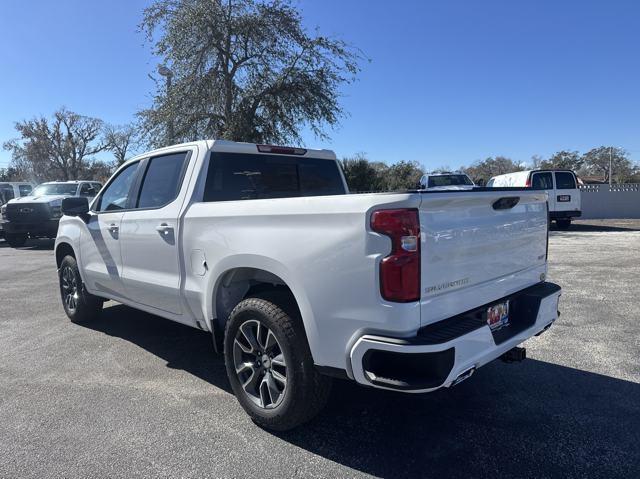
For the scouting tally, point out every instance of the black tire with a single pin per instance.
(16, 240)
(79, 305)
(305, 392)
(563, 224)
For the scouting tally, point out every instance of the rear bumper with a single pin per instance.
(443, 351)
(560, 215)
(48, 229)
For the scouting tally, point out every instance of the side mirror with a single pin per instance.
(75, 206)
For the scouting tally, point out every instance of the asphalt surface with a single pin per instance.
(136, 395)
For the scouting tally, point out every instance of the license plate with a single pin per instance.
(498, 316)
(564, 198)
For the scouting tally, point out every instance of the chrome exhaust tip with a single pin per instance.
(466, 374)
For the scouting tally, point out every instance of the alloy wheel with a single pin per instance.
(70, 289)
(260, 364)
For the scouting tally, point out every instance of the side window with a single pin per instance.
(162, 180)
(542, 181)
(117, 193)
(565, 180)
(25, 190)
(88, 190)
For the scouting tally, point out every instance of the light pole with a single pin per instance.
(168, 74)
(610, 167)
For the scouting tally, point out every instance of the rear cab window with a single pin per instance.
(243, 176)
(565, 180)
(25, 190)
(449, 180)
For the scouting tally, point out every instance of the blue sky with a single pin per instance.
(449, 82)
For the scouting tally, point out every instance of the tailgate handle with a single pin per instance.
(506, 203)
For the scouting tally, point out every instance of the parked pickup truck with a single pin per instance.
(37, 215)
(298, 281)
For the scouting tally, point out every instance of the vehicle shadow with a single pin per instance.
(32, 245)
(182, 347)
(530, 419)
(597, 226)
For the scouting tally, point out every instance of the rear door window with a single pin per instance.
(565, 180)
(237, 176)
(25, 190)
(542, 181)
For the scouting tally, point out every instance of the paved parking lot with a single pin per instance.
(133, 394)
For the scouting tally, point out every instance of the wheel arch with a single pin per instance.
(240, 281)
(64, 249)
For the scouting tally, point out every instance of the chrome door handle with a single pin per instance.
(164, 228)
(113, 228)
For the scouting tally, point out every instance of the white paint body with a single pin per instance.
(324, 250)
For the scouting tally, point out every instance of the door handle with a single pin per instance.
(164, 228)
(113, 228)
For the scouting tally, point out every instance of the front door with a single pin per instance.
(100, 253)
(149, 234)
(100, 244)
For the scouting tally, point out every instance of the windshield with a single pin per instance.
(449, 180)
(56, 189)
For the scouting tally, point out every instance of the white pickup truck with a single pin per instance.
(298, 281)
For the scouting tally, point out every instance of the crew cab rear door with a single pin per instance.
(150, 232)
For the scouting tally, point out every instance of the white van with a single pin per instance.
(561, 185)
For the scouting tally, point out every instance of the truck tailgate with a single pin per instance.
(479, 246)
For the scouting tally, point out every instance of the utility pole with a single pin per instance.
(610, 167)
(168, 74)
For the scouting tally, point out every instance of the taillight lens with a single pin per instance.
(527, 183)
(400, 270)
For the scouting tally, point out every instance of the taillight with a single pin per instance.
(527, 183)
(400, 270)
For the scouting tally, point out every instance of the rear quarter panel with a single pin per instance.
(321, 247)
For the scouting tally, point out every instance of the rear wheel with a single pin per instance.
(79, 305)
(563, 224)
(269, 365)
(16, 240)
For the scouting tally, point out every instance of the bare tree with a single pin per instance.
(243, 70)
(120, 140)
(60, 148)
